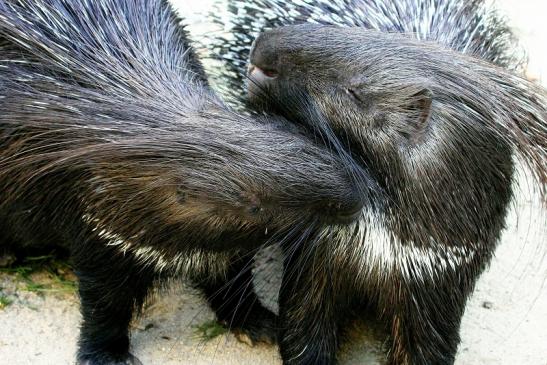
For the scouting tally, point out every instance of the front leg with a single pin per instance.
(232, 297)
(426, 320)
(308, 313)
(112, 285)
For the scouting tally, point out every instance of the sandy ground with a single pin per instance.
(505, 322)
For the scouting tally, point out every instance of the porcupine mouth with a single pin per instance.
(259, 80)
(261, 74)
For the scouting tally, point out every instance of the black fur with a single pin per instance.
(435, 128)
(113, 146)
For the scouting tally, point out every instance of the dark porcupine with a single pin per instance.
(113, 145)
(467, 26)
(434, 116)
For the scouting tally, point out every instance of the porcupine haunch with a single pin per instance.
(113, 145)
(435, 120)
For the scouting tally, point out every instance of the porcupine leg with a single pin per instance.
(235, 303)
(308, 317)
(426, 321)
(112, 285)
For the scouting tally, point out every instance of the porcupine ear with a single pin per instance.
(418, 112)
(422, 106)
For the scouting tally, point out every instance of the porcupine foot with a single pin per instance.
(236, 305)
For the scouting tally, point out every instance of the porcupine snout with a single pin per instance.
(327, 207)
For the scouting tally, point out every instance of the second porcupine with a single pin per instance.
(469, 27)
(435, 128)
(113, 145)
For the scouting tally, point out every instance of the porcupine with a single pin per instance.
(434, 116)
(469, 27)
(113, 145)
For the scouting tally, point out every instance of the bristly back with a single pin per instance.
(470, 27)
(108, 97)
(100, 53)
(109, 35)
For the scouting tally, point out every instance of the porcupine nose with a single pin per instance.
(275, 52)
(343, 209)
(260, 82)
(343, 204)
(264, 53)
(263, 68)
(261, 75)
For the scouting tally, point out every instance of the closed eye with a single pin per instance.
(363, 101)
(353, 93)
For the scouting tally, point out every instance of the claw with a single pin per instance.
(245, 338)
